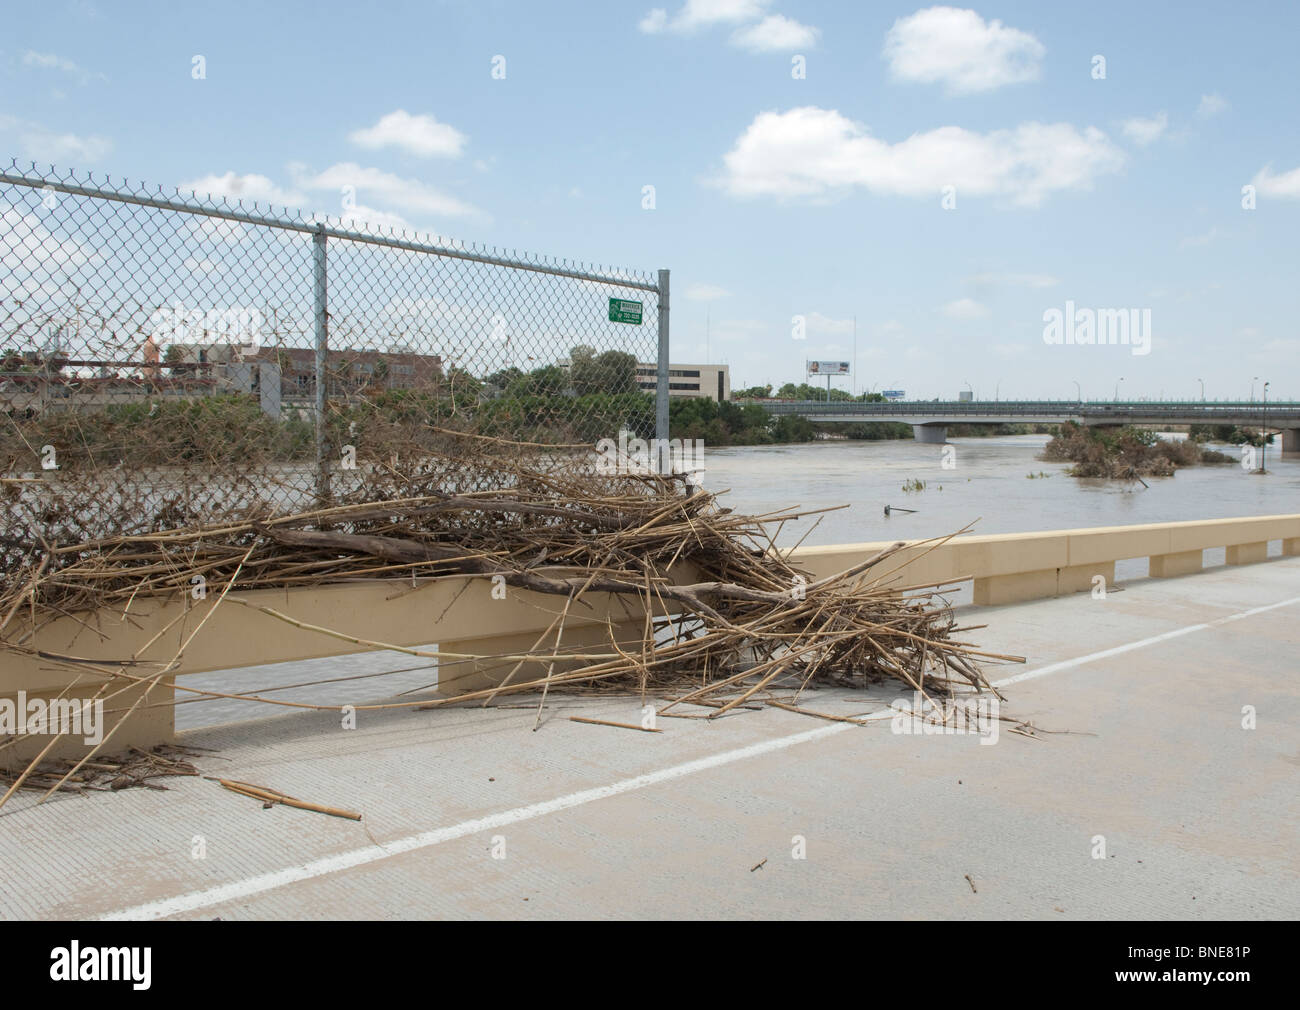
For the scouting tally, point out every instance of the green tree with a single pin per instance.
(549, 380)
(607, 372)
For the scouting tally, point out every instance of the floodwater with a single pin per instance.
(988, 485)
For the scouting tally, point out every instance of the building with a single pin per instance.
(348, 370)
(711, 381)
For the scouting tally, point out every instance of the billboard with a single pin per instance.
(894, 394)
(828, 368)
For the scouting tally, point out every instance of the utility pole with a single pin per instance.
(1263, 434)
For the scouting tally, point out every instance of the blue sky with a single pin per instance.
(820, 197)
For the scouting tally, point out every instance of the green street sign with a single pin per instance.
(623, 311)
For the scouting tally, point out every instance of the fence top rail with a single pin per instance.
(292, 220)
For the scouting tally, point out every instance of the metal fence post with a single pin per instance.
(661, 383)
(320, 306)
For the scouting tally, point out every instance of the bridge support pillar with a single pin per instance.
(1164, 566)
(1291, 441)
(1247, 554)
(930, 434)
(463, 676)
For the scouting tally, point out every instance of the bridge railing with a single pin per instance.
(1209, 413)
(458, 612)
(1012, 567)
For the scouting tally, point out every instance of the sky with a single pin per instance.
(946, 181)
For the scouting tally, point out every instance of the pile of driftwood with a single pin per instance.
(746, 627)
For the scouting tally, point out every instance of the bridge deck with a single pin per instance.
(1199, 815)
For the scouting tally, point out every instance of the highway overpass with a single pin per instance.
(930, 419)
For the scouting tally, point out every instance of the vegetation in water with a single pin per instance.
(1124, 453)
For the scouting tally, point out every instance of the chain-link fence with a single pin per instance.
(168, 361)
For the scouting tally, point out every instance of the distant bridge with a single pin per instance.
(930, 419)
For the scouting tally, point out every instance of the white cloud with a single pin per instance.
(29, 245)
(1143, 131)
(1211, 105)
(959, 49)
(810, 152)
(705, 292)
(51, 61)
(421, 135)
(368, 219)
(1285, 186)
(1014, 280)
(410, 195)
(654, 22)
(775, 33)
(965, 308)
(68, 149)
(697, 14)
(249, 188)
(216, 229)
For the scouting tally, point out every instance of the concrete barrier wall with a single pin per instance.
(1011, 567)
(73, 655)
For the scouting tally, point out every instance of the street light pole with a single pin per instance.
(1263, 435)
(1078, 389)
(1121, 379)
(1202, 382)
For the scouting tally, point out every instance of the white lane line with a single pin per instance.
(359, 857)
(1069, 664)
(236, 890)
